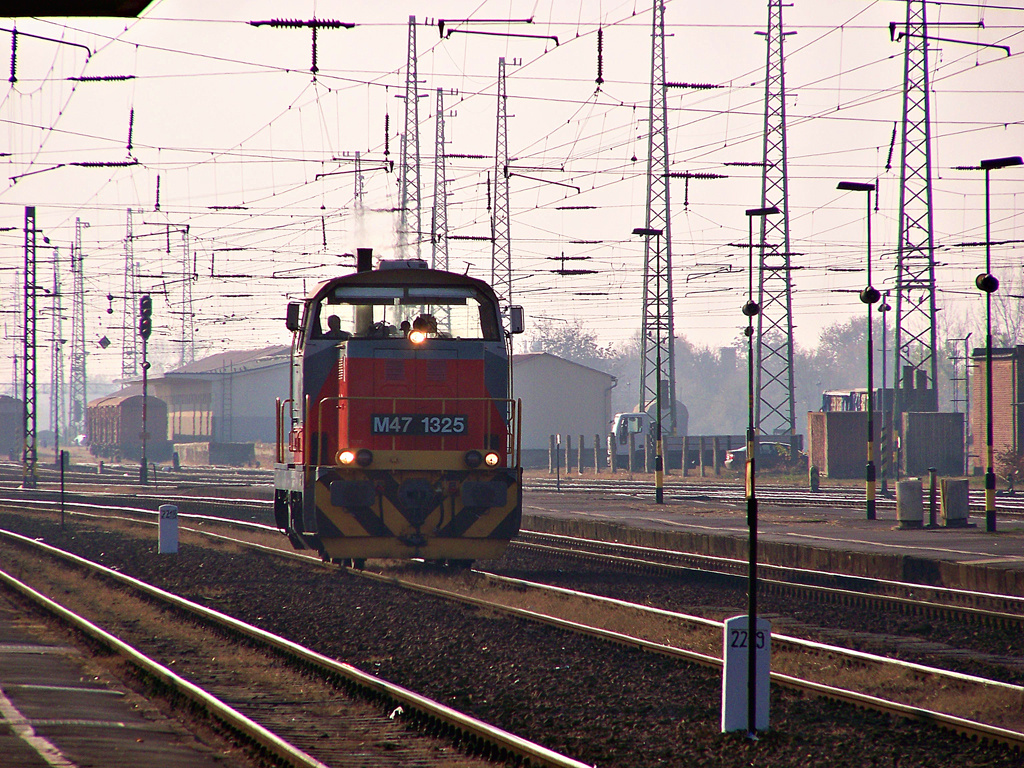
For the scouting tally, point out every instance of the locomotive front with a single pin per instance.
(400, 439)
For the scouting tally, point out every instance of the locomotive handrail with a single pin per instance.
(513, 409)
(279, 425)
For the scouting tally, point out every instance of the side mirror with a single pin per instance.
(516, 321)
(291, 320)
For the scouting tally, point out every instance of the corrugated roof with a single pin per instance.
(236, 361)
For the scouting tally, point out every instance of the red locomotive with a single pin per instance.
(399, 439)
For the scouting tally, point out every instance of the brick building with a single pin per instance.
(1007, 388)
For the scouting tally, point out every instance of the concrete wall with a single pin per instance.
(933, 440)
(838, 442)
(218, 454)
(560, 397)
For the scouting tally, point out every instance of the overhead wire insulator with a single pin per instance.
(387, 134)
(600, 58)
(14, 56)
(131, 127)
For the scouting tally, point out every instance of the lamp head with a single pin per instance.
(855, 186)
(1000, 162)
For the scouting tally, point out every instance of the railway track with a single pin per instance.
(733, 493)
(981, 608)
(972, 607)
(676, 489)
(845, 658)
(288, 702)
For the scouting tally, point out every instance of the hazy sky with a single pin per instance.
(230, 120)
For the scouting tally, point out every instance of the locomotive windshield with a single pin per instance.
(391, 311)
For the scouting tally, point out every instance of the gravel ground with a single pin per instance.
(598, 703)
(997, 652)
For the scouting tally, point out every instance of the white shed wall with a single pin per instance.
(561, 397)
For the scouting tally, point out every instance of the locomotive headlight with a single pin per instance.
(364, 457)
(346, 457)
(492, 459)
(473, 459)
(417, 337)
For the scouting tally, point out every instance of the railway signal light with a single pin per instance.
(145, 316)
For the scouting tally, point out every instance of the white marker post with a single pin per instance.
(734, 674)
(168, 529)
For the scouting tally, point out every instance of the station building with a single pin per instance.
(225, 398)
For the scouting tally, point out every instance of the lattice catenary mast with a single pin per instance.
(28, 467)
(501, 220)
(56, 355)
(776, 404)
(77, 389)
(439, 218)
(657, 329)
(188, 338)
(915, 281)
(409, 212)
(129, 335)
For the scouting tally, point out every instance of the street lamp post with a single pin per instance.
(988, 284)
(750, 310)
(869, 296)
(886, 447)
(659, 454)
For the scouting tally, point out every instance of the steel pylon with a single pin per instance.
(129, 337)
(501, 236)
(915, 281)
(776, 404)
(657, 363)
(77, 385)
(409, 205)
(28, 467)
(439, 217)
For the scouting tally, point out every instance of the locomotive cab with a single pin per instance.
(400, 439)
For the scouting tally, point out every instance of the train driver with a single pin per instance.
(334, 328)
(425, 324)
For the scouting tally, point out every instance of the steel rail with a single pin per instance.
(422, 707)
(735, 566)
(724, 567)
(792, 589)
(252, 731)
(777, 639)
(961, 725)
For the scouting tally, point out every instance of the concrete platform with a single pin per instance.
(54, 712)
(841, 540)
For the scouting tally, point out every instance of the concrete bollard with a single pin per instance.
(597, 454)
(714, 455)
(168, 530)
(611, 452)
(909, 506)
(686, 450)
(551, 454)
(632, 451)
(702, 456)
(955, 504)
(579, 457)
(568, 454)
(814, 478)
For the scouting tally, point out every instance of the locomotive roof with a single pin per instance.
(404, 277)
